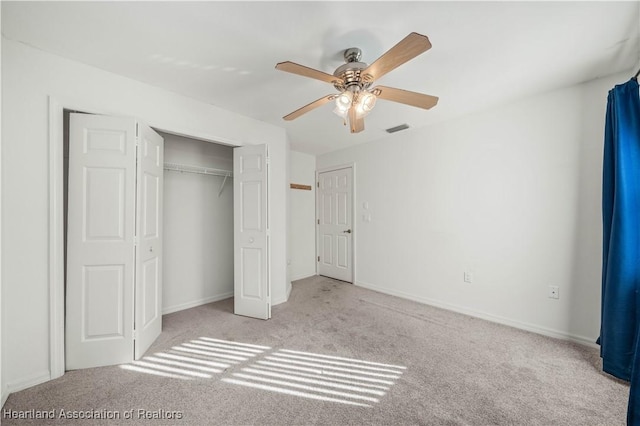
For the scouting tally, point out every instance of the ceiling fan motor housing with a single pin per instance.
(352, 54)
(352, 77)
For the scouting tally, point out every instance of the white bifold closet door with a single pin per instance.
(252, 285)
(114, 241)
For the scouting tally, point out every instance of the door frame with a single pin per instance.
(354, 226)
(57, 105)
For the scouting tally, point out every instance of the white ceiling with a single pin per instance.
(224, 53)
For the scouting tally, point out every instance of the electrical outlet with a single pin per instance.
(554, 292)
(468, 277)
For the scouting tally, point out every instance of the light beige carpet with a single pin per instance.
(337, 354)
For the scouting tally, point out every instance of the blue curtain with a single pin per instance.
(620, 323)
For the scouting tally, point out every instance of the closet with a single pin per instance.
(198, 222)
(135, 222)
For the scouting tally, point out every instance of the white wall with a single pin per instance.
(511, 194)
(29, 77)
(3, 394)
(198, 225)
(302, 228)
(279, 219)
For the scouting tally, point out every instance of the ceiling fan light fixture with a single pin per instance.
(341, 113)
(343, 101)
(355, 99)
(365, 104)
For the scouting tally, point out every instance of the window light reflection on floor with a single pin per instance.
(201, 358)
(325, 372)
(316, 376)
(318, 389)
(314, 363)
(313, 381)
(301, 374)
(291, 392)
(319, 375)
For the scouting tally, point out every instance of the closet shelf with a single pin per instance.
(197, 169)
(202, 171)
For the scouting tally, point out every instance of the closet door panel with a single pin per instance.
(149, 249)
(252, 296)
(114, 241)
(100, 241)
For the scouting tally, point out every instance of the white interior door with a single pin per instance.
(112, 284)
(252, 287)
(100, 241)
(335, 231)
(148, 283)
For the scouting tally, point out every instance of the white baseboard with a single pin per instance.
(275, 302)
(303, 276)
(485, 316)
(194, 303)
(289, 288)
(27, 382)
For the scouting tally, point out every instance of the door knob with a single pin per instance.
(151, 249)
(348, 231)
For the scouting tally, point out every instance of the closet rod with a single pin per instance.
(197, 169)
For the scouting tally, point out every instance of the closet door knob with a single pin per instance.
(151, 248)
(251, 240)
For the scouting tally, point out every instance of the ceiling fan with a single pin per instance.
(354, 79)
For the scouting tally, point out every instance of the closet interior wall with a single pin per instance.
(198, 225)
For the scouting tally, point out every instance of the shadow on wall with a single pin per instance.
(586, 269)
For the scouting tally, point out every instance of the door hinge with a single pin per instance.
(318, 258)
(318, 221)
(318, 184)
(135, 240)
(135, 334)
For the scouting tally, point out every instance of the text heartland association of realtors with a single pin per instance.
(93, 414)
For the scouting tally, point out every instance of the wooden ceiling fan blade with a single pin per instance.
(313, 105)
(408, 48)
(356, 123)
(294, 68)
(415, 99)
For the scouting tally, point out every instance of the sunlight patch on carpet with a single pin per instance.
(316, 376)
(201, 358)
(301, 374)
(291, 392)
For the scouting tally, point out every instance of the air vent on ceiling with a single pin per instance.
(397, 128)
